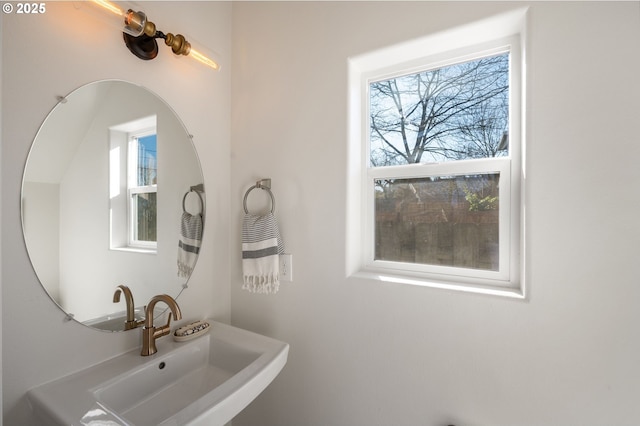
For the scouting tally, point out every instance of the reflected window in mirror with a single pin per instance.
(133, 165)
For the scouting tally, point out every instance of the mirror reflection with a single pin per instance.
(112, 197)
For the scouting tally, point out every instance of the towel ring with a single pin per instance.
(184, 199)
(262, 184)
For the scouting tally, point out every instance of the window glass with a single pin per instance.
(443, 220)
(451, 113)
(147, 162)
(145, 205)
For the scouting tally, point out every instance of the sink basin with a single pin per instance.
(205, 381)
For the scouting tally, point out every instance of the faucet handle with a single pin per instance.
(169, 315)
(163, 330)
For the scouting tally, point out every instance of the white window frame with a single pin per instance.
(134, 189)
(500, 34)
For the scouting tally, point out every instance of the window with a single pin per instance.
(439, 160)
(143, 189)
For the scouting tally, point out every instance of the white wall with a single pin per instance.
(44, 56)
(366, 353)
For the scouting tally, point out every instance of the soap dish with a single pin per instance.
(191, 331)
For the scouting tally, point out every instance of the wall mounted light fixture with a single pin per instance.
(140, 35)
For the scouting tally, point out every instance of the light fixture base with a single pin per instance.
(144, 47)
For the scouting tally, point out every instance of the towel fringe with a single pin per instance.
(184, 270)
(264, 284)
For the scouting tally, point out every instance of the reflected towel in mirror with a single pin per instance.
(189, 243)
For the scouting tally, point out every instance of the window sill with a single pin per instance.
(135, 250)
(508, 292)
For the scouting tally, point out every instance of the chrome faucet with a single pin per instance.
(131, 322)
(151, 333)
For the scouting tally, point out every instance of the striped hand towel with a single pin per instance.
(261, 246)
(189, 243)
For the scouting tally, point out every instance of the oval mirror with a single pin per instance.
(112, 195)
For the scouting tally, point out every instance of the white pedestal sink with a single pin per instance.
(205, 381)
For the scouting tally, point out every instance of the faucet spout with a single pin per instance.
(150, 333)
(131, 322)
